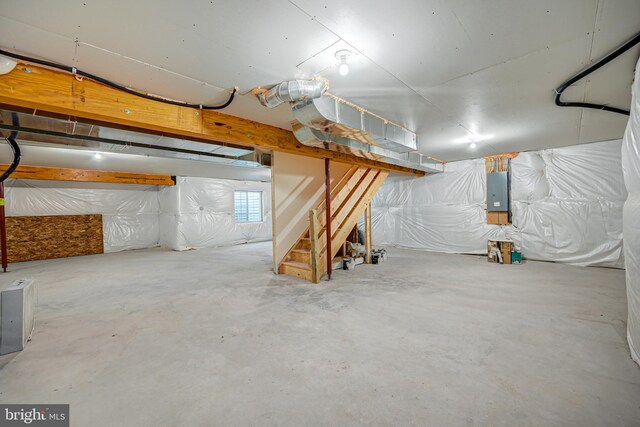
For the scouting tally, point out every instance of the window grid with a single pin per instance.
(248, 206)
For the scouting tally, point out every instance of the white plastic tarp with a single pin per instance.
(195, 213)
(199, 212)
(442, 212)
(567, 204)
(129, 213)
(567, 207)
(631, 218)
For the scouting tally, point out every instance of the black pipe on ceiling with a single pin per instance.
(613, 55)
(15, 129)
(17, 154)
(75, 71)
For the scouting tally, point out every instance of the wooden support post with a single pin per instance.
(367, 233)
(3, 229)
(327, 195)
(315, 247)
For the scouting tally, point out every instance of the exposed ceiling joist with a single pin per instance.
(42, 90)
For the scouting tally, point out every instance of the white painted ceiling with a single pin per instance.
(449, 69)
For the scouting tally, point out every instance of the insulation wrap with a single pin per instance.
(631, 218)
(567, 207)
(199, 212)
(195, 213)
(129, 212)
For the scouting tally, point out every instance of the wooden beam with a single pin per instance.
(86, 175)
(511, 155)
(45, 90)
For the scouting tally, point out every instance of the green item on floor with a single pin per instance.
(516, 257)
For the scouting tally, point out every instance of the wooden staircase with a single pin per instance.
(349, 199)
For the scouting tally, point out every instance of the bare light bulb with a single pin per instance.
(343, 69)
(473, 145)
(97, 156)
(342, 55)
(6, 64)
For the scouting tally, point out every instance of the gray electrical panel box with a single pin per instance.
(17, 315)
(498, 192)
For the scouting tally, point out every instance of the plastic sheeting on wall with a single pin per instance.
(442, 212)
(199, 212)
(567, 207)
(129, 213)
(567, 204)
(631, 218)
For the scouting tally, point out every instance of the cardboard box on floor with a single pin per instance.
(504, 246)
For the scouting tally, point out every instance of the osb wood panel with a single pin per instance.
(44, 237)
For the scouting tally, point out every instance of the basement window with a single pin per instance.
(248, 206)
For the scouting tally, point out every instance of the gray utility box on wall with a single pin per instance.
(498, 192)
(17, 315)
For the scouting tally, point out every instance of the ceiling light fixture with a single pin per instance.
(6, 64)
(342, 56)
(97, 156)
(472, 141)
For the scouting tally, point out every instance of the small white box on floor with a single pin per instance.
(17, 315)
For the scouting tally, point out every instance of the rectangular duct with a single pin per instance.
(46, 131)
(317, 138)
(336, 116)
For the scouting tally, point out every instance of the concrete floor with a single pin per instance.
(212, 337)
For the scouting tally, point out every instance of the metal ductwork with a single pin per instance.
(317, 138)
(53, 132)
(334, 115)
(334, 124)
(293, 91)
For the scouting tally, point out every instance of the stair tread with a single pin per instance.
(296, 264)
(301, 251)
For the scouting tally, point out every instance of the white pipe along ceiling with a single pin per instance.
(458, 74)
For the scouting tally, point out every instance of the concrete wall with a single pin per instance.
(297, 186)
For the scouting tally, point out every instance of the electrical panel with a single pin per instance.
(498, 189)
